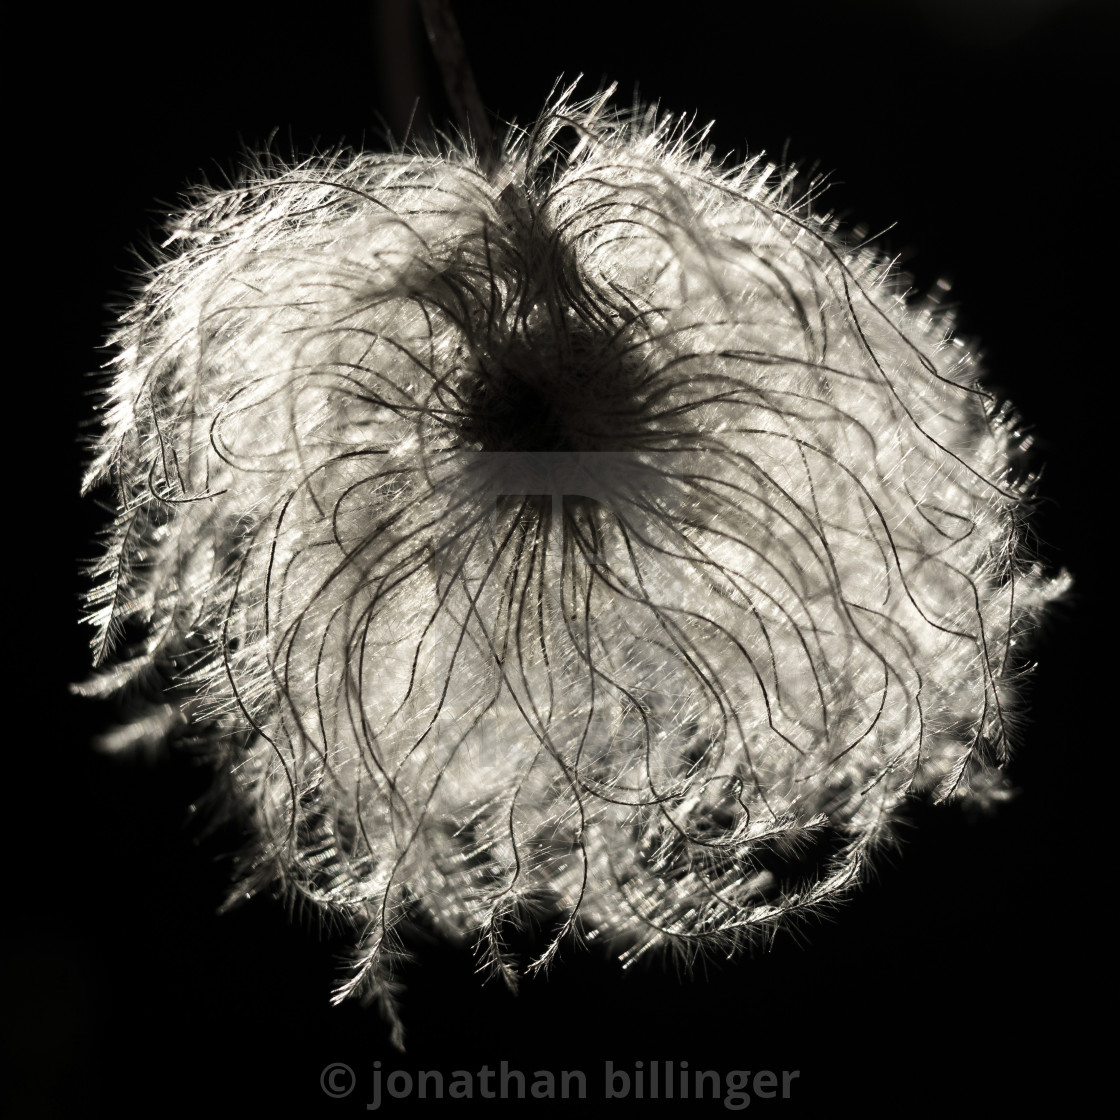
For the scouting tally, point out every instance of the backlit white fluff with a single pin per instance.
(600, 538)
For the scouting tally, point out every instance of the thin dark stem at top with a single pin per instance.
(458, 78)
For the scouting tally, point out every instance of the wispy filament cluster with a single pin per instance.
(603, 537)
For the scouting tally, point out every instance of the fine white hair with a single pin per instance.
(601, 536)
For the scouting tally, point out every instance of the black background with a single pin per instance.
(967, 971)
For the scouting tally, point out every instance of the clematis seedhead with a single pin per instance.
(597, 533)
